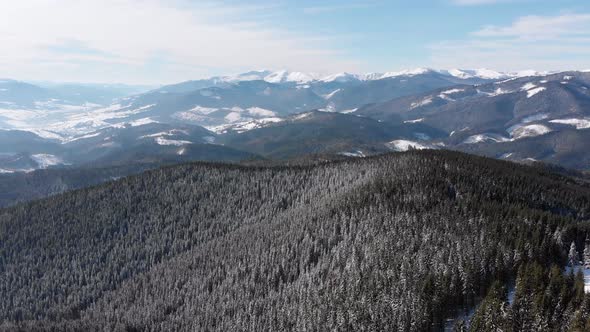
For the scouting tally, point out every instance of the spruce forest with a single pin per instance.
(410, 241)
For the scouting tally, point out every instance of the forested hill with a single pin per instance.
(389, 243)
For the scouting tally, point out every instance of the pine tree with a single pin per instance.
(573, 255)
(587, 254)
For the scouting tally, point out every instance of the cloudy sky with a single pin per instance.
(165, 41)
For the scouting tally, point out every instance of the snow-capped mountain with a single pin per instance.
(478, 110)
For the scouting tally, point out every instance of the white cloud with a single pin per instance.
(541, 27)
(337, 7)
(543, 42)
(149, 41)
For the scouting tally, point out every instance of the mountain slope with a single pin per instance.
(395, 242)
(497, 116)
(324, 132)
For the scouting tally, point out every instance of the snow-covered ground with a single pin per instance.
(45, 160)
(63, 122)
(578, 123)
(586, 272)
(484, 138)
(405, 145)
(518, 131)
(356, 153)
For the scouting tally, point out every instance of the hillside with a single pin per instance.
(395, 242)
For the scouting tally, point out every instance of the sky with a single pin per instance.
(167, 41)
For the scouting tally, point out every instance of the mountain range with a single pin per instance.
(524, 117)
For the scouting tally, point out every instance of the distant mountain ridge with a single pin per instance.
(259, 113)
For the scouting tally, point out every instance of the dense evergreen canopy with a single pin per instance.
(397, 242)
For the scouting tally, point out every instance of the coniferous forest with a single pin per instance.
(399, 242)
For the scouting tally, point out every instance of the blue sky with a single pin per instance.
(164, 41)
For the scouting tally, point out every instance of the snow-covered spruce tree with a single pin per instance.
(573, 258)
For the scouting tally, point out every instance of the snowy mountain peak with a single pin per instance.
(341, 77)
(483, 73)
(283, 76)
(407, 72)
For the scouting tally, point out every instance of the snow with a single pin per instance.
(357, 153)
(241, 127)
(528, 86)
(165, 133)
(164, 141)
(533, 92)
(329, 108)
(479, 73)
(203, 110)
(45, 134)
(567, 78)
(407, 72)
(507, 155)
(535, 117)
(414, 121)
(5, 171)
(349, 111)
(518, 132)
(45, 160)
(497, 92)
(283, 76)
(233, 117)
(69, 140)
(258, 111)
(586, 272)
(452, 91)
(578, 123)
(331, 94)
(181, 151)
(421, 103)
(531, 89)
(141, 122)
(479, 138)
(302, 116)
(405, 145)
(528, 73)
(340, 77)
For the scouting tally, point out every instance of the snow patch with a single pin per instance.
(421, 103)
(533, 92)
(258, 111)
(203, 110)
(578, 123)
(349, 111)
(357, 154)
(405, 145)
(479, 138)
(44, 160)
(331, 94)
(518, 132)
(302, 116)
(506, 155)
(586, 272)
(81, 137)
(164, 141)
(233, 117)
(414, 121)
(241, 127)
(141, 122)
(536, 117)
